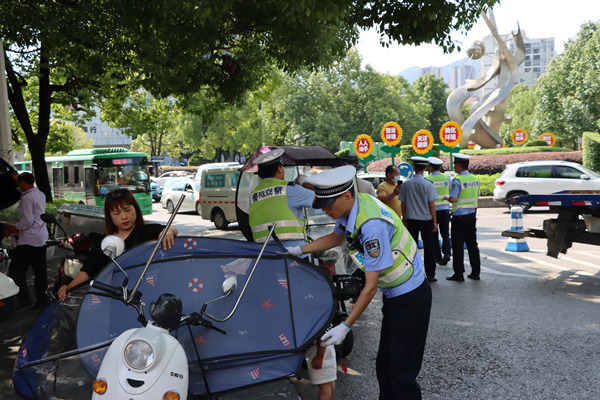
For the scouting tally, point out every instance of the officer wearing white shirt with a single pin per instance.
(441, 182)
(464, 193)
(417, 197)
(388, 254)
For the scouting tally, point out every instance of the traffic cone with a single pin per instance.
(516, 224)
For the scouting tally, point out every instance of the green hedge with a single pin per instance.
(487, 182)
(591, 151)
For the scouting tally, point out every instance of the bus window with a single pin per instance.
(129, 173)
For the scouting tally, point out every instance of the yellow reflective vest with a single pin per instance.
(403, 246)
(469, 192)
(268, 204)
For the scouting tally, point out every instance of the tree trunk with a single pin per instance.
(36, 146)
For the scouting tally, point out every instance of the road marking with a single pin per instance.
(531, 274)
(587, 264)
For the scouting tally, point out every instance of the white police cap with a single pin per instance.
(435, 161)
(331, 184)
(270, 157)
(460, 156)
(419, 160)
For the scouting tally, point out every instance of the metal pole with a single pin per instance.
(158, 243)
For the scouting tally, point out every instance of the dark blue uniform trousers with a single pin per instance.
(443, 221)
(402, 343)
(464, 232)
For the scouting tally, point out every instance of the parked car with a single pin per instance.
(375, 178)
(156, 190)
(171, 195)
(163, 178)
(542, 177)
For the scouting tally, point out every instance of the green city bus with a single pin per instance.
(87, 175)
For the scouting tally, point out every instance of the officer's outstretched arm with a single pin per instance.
(323, 243)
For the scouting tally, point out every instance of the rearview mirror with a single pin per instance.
(584, 177)
(49, 218)
(229, 285)
(113, 246)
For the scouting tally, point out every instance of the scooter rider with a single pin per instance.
(391, 262)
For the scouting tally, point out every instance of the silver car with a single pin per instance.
(175, 188)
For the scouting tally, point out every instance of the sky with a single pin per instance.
(560, 19)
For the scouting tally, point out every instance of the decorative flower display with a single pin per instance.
(363, 146)
(451, 133)
(422, 141)
(391, 133)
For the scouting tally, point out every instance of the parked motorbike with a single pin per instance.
(284, 307)
(77, 245)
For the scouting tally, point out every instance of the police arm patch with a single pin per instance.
(373, 248)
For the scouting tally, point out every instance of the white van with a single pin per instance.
(217, 194)
(204, 167)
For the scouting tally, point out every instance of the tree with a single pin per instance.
(521, 107)
(84, 51)
(150, 122)
(568, 94)
(433, 92)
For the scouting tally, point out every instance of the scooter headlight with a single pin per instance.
(139, 354)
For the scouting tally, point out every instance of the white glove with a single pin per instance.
(301, 179)
(295, 250)
(335, 335)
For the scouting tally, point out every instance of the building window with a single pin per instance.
(536, 69)
(527, 69)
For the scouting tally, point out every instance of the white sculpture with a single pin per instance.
(504, 66)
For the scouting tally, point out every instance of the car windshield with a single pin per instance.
(172, 181)
(130, 175)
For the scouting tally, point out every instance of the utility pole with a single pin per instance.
(262, 122)
(5, 132)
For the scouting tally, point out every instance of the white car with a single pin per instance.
(172, 174)
(543, 177)
(172, 194)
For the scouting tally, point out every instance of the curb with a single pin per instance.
(488, 202)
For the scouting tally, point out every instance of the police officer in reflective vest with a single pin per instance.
(463, 195)
(441, 182)
(274, 200)
(388, 255)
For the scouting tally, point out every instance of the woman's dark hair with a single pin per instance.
(120, 198)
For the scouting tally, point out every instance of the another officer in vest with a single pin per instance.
(388, 255)
(464, 192)
(274, 200)
(417, 197)
(441, 182)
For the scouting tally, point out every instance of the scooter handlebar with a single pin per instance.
(112, 291)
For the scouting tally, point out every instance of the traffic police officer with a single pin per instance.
(274, 200)
(441, 182)
(389, 256)
(464, 192)
(417, 199)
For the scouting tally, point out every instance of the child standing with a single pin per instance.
(322, 369)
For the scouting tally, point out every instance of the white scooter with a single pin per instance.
(147, 362)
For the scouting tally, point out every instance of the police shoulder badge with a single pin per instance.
(372, 247)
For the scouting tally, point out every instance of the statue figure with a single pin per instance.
(504, 66)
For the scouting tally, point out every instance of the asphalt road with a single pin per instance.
(528, 330)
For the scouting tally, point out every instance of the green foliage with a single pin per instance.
(432, 92)
(535, 143)
(568, 94)
(408, 152)
(487, 184)
(591, 151)
(11, 215)
(521, 107)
